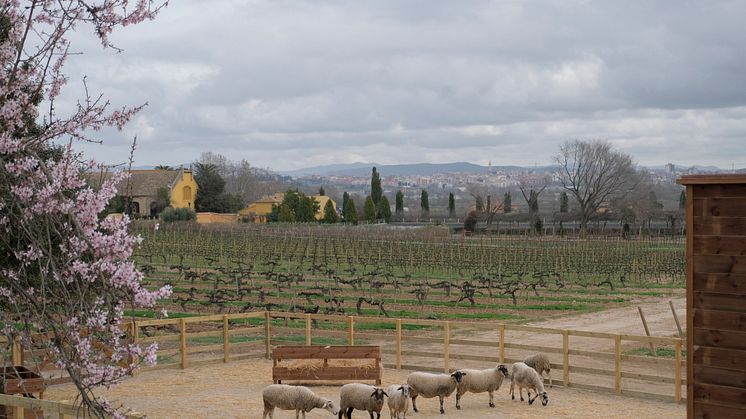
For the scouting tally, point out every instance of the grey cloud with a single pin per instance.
(393, 81)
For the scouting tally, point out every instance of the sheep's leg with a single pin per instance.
(414, 403)
(442, 411)
(512, 390)
(530, 400)
(492, 398)
(349, 412)
(458, 400)
(268, 411)
(520, 392)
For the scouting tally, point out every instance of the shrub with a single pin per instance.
(171, 214)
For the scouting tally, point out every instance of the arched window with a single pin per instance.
(187, 192)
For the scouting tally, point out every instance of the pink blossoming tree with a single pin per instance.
(65, 275)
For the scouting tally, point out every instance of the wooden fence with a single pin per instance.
(61, 410)
(588, 360)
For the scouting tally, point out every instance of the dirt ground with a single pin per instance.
(233, 390)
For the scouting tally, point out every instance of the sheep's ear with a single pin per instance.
(401, 388)
(384, 393)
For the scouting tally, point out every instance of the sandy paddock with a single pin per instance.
(233, 390)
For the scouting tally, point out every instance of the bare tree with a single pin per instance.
(531, 188)
(594, 173)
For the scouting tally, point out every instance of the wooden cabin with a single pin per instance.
(716, 295)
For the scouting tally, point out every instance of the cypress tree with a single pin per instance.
(345, 198)
(507, 202)
(424, 203)
(350, 212)
(682, 200)
(375, 187)
(399, 204)
(451, 205)
(330, 214)
(322, 192)
(564, 204)
(369, 210)
(488, 207)
(384, 209)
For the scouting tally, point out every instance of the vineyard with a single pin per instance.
(409, 273)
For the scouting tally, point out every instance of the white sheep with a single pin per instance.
(540, 362)
(298, 398)
(362, 397)
(398, 400)
(430, 385)
(527, 377)
(479, 381)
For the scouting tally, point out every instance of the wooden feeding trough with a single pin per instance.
(322, 369)
(20, 380)
(716, 295)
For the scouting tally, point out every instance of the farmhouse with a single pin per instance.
(144, 187)
(261, 208)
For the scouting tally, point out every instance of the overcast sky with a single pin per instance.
(290, 84)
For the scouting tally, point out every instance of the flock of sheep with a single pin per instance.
(527, 374)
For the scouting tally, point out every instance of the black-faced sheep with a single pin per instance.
(540, 362)
(362, 397)
(479, 381)
(526, 377)
(430, 385)
(297, 398)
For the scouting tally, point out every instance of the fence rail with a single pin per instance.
(434, 339)
(415, 343)
(62, 410)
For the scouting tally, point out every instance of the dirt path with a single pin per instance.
(626, 319)
(233, 390)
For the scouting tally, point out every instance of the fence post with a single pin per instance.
(618, 363)
(647, 331)
(565, 358)
(398, 344)
(268, 335)
(182, 330)
(677, 369)
(16, 352)
(676, 318)
(308, 330)
(226, 338)
(135, 338)
(351, 330)
(446, 344)
(501, 328)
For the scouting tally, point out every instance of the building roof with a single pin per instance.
(271, 199)
(142, 182)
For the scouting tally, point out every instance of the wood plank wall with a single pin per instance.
(716, 296)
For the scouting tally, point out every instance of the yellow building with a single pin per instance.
(260, 210)
(143, 187)
(322, 200)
